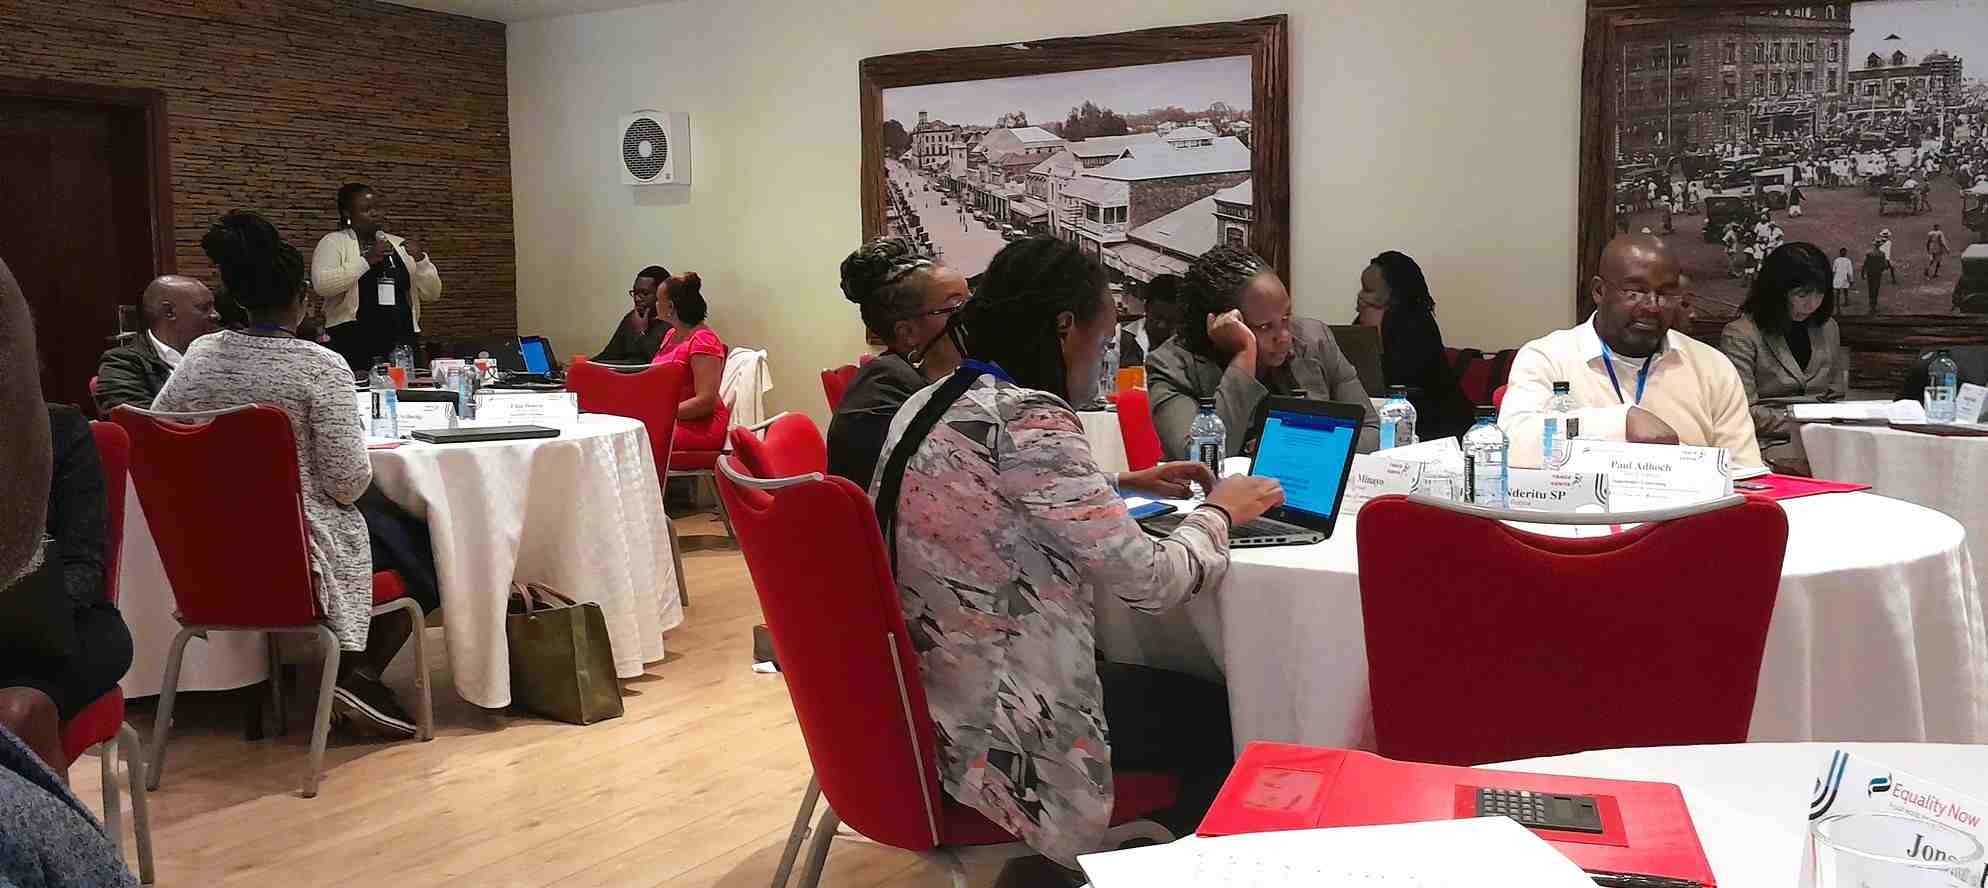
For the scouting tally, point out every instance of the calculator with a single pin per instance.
(1541, 810)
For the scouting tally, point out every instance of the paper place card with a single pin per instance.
(1546, 490)
(1375, 475)
(1848, 784)
(1967, 408)
(1874, 412)
(426, 416)
(1654, 476)
(555, 409)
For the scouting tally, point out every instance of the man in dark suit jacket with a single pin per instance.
(176, 310)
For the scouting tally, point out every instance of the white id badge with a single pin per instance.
(386, 291)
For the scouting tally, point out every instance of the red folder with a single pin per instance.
(1646, 829)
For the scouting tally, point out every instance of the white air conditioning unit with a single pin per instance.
(655, 148)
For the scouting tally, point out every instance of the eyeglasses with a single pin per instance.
(1671, 299)
(939, 312)
(642, 292)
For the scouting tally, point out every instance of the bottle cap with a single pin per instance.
(1206, 403)
(1397, 391)
(1561, 388)
(1486, 411)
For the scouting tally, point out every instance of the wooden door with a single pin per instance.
(77, 228)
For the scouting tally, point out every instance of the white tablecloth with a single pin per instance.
(1877, 634)
(582, 512)
(1107, 442)
(1943, 474)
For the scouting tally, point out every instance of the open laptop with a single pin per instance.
(1308, 447)
(537, 351)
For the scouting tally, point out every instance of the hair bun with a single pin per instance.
(872, 265)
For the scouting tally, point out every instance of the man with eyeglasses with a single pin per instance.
(1632, 378)
(639, 335)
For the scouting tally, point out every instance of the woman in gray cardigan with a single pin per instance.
(1786, 345)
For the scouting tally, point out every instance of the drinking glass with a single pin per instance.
(1881, 849)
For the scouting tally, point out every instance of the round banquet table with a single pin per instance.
(582, 513)
(1945, 474)
(1749, 802)
(1107, 442)
(1877, 634)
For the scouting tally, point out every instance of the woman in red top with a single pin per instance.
(703, 417)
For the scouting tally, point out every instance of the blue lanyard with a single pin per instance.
(270, 330)
(1642, 376)
(988, 368)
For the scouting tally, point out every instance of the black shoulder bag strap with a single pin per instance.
(921, 425)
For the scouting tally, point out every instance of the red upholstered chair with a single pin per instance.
(1498, 396)
(103, 721)
(781, 447)
(1135, 426)
(853, 679)
(1488, 643)
(835, 382)
(645, 392)
(241, 562)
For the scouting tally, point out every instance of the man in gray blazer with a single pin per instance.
(1239, 343)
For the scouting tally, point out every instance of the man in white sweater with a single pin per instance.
(1632, 378)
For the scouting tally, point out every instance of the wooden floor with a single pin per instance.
(696, 785)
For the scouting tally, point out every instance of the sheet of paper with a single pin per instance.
(1654, 476)
(1861, 411)
(1489, 851)
(1968, 407)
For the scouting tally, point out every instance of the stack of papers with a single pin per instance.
(1872, 412)
(1490, 851)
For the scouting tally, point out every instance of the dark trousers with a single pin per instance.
(101, 656)
(362, 345)
(1170, 723)
(401, 543)
(1873, 283)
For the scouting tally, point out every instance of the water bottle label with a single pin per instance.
(1469, 478)
(1387, 434)
(1209, 453)
(1552, 432)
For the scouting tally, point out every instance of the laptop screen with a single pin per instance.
(1308, 454)
(538, 356)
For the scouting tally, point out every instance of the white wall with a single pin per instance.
(1442, 128)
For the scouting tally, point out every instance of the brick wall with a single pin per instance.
(1153, 198)
(275, 103)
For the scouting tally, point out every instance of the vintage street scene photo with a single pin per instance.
(1145, 167)
(1858, 127)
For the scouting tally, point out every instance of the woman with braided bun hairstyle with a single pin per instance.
(1240, 343)
(906, 297)
(1004, 529)
(267, 364)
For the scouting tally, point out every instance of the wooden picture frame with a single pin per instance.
(1264, 40)
(1882, 347)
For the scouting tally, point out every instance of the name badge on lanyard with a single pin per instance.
(387, 294)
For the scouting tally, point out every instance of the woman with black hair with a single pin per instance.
(703, 418)
(1238, 344)
(267, 364)
(1787, 346)
(906, 297)
(1004, 529)
(372, 282)
(1394, 296)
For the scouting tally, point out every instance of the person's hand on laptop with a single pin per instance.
(1167, 480)
(1246, 497)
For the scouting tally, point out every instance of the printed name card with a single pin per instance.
(1442, 466)
(1866, 806)
(556, 409)
(1546, 490)
(1375, 475)
(1654, 476)
(426, 416)
(1968, 407)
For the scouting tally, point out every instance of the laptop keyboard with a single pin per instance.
(1261, 528)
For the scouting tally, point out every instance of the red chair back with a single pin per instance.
(1135, 425)
(650, 395)
(114, 452)
(839, 635)
(1488, 643)
(791, 446)
(226, 507)
(1498, 396)
(835, 383)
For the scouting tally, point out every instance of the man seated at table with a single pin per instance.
(176, 311)
(639, 335)
(1633, 378)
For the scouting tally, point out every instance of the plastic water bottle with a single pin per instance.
(1557, 442)
(403, 357)
(1484, 448)
(1397, 419)
(386, 403)
(1207, 438)
(1108, 367)
(1943, 387)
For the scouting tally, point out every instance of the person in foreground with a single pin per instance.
(268, 365)
(1239, 343)
(703, 418)
(176, 311)
(1394, 296)
(41, 688)
(47, 837)
(372, 282)
(906, 298)
(1786, 345)
(1632, 378)
(638, 335)
(1004, 531)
